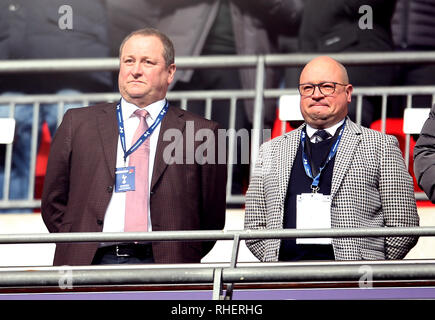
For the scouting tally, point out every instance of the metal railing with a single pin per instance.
(217, 274)
(219, 61)
(258, 94)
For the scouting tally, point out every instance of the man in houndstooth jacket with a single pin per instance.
(369, 185)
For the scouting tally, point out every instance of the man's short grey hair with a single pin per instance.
(168, 46)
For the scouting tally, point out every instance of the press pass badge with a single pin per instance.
(124, 179)
(313, 211)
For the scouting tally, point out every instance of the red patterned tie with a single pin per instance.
(136, 202)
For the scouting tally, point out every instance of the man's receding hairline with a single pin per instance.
(168, 46)
(121, 47)
(345, 76)
(343, 71)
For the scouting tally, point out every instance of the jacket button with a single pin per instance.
(99, 222)
(110, 189)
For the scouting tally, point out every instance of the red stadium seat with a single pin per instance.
(278, 125)
(42, 159)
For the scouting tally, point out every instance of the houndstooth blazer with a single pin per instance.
(371, 187)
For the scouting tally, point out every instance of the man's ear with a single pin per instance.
(171, 72)
(349, 90)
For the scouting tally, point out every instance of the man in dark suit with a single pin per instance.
(82, 192)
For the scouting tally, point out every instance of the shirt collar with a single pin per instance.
(330, 130)
(153, 109)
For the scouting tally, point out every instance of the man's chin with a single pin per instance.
(319, 117)
(317, 121)
(136, 95)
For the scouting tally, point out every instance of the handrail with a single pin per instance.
(216, 94)
(218, 61)
(366, 273)
(201, 235)
(231, 274)
(162, 274)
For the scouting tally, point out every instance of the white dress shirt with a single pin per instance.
(331, 130)
(115, 213)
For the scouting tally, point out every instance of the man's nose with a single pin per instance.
(317, 94)
(136, 69)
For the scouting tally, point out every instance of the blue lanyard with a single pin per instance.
(146, 134)
(306, 163)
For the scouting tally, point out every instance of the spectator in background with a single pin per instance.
(424, 157)
(337, 26)
(413, 29)
(127, 16)
(215, 27)
(44, 29)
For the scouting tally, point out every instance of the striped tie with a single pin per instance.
(136, 202)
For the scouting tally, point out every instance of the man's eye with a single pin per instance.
(327, 86)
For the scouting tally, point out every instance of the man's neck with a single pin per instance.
(141, 103)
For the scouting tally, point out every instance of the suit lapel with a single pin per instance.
(108, 129)
(345, 154)
(287, 153)
(173, 120)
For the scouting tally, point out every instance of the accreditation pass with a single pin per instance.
(313, 211)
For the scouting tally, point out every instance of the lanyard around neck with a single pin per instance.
(306, 163)
(145, 135)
